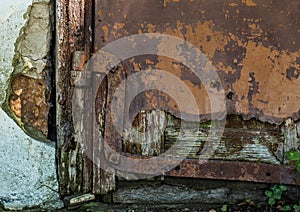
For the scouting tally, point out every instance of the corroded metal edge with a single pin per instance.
(240, 171)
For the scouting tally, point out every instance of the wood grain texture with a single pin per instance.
(240, 141)
(188, 191)
(74, 167)
(146, 135)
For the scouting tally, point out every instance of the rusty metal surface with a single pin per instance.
(212, 169)
(253, 45)
(29, 103)
(206, 169)
(225, 170)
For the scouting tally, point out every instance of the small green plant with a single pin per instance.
(297, 207)
(224, 208)
(294, 158)
(275, 193)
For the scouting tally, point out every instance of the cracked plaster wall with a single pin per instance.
(27, 168)
(28, 92)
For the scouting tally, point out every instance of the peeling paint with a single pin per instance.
(249, 49)
(249, 3)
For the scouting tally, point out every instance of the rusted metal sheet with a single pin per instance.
(253, 45)
(240, 40)
(210, 169)
(225, 170)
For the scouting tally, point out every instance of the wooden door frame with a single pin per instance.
(73, 32)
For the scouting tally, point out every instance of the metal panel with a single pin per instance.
(253, 45)
(246, 44)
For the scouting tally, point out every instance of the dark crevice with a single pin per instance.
(52, 133)
(92, 23)
(52, 125)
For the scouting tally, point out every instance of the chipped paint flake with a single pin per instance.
(249, 3)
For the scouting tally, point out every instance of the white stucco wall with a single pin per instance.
(11, 21)
(27, 167)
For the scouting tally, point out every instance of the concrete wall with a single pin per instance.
(27, 168)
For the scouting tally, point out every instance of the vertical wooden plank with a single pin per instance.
(74, 168)
(87, 20)
(153, 136)
(62, 74)
(104, 181)
(105, 134)
(101, 179)
(291, 131)
(82, 122)
(146, 137)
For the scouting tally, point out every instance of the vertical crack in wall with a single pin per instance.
(29, 91)
(52, 111)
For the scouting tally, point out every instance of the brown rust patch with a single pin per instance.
(233, 4)
(201, 35)
(249, 48)
(276, 94)
(249, 3)
(28, 102)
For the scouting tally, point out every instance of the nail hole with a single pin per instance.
(268, 174)
(177, 168)
(230, 95)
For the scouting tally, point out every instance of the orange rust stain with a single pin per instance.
(198, 36)
(29, 103)
(256, 31)
(274, 93)
(136, 66)
(168, 1)
(209, 41)
(151, 28)
(105, 31)
(16, 107)
(100, 14)
(174, 32)
(179, 25)
(149, 62)
(119, 30)
(252, 26)
(233, 4)
(266, 63)
(119, 25)
(276, 96)
(249, 3)
(198, 92)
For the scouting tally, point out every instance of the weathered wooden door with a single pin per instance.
(202, 89)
